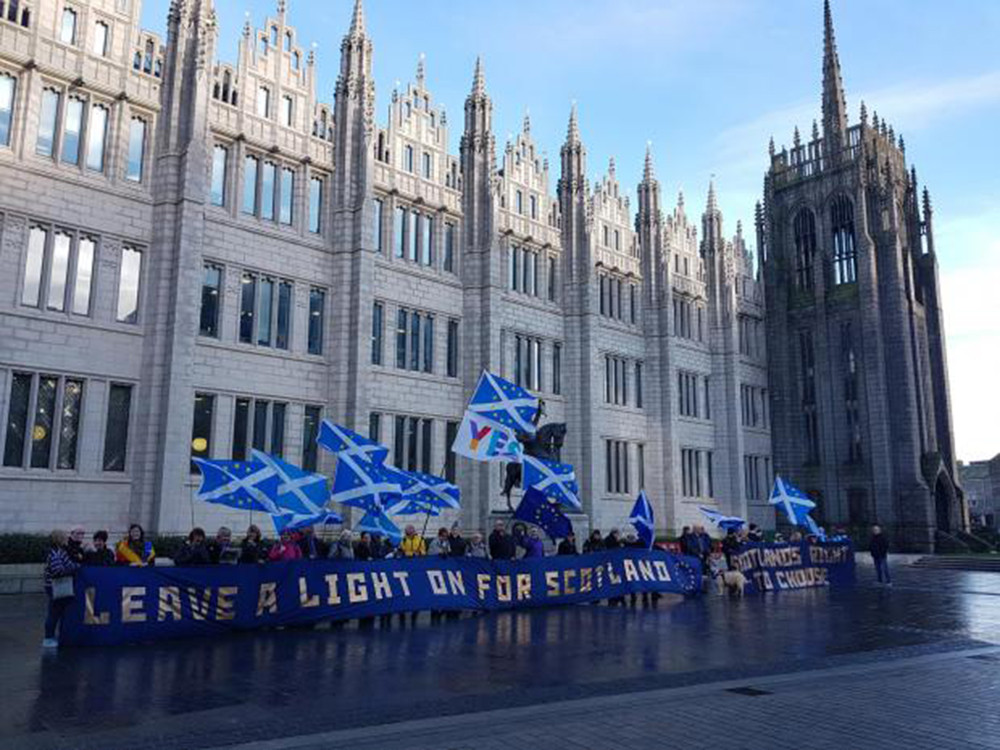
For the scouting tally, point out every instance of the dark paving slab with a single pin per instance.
(255, 686)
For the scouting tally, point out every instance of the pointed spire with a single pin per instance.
(246, 24)
(573, 131)
(526, 127)
(680, 201)
(713, 204)
(928, 209)
(815, 132)
(357, 20)
(796, 138)
(864, 113)
(479, 79)
(421, 74)
(770, 147)
(902, 143)
(834, 106)
(611, 167)
(875, 119)
(647, 171)
(282, 7)
(758, 216)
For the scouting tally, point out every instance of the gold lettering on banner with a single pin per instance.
(305, 600)
(357, 591)
(436, 580)
(90, 616)
(332, 595)
(552, 583)
(586, 580)
(483, 584)
(456, 582)
(199, 609)
(267, 599)
(404, 580)
(568, 576)
(170, 603)
(503, 588)
(662, 573)
(225, 607)
(380, 586)
(631, 574)
(132, 604)
(523, 586)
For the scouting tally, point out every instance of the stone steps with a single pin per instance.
(985, 564)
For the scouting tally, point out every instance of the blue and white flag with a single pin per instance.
(379, 523)
(234, 484)
(792, 500)
(428, 489)
(414, 508)
(363, 484)
(504, 403)
(342, 441)
(553, 479)
(721, 520)
(642, 518)
(537, 509)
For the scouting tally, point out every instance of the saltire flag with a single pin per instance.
(233, 484)
(481, 439)
(428, 489)
(363, 484)
(552, 479)
(414, 508)
(379, 523)
(815, 528)
(294, 521)
(537, 509)
(642, 518)
(504, 403)
(342, 441)
(721, 520)
(792, 500)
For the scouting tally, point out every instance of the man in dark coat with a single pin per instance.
(502, 546)
(568, 545)
(879, 549)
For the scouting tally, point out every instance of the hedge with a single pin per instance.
(32, 548)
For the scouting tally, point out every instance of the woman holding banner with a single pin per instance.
(134, 549)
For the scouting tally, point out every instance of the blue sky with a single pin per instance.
(708, 82)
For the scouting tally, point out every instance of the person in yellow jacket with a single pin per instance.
(412, 545)
(134, 549)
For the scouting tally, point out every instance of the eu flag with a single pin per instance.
(537, 509)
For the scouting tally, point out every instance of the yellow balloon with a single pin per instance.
(199, 444)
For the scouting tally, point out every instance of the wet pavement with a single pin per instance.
(276, 684)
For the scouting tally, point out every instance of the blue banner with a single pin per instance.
(779, 567)
(126, 604)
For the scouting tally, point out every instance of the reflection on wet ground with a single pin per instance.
(265, 684)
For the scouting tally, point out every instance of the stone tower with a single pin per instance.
(859, 387)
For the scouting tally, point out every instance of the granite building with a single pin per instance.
(200, 257)
(857, 368)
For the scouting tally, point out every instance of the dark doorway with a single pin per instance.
(942, 503)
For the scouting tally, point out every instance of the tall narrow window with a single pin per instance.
(96, 132)
(310, 431)
(84, 276)
(220, 158)
(265, 311)
(449, 247)
(552, 279)
(72, 130)
(128, 285)
(401, 328)
(100, 39)
(804, 226)
(845, 268)
(67, 31)
(248, 305)
(415, 319)
(47, 117)
(399, 441)
(259, 439)
(287, 195)
(317, 305)
(267, 191)
(7, 89)
(426, 240)
(427, 165)
(284, 316)
(136, 149)
(263, 102)
(286, 111)
(413, 235)
(557, 369)
(399, 231)
(377, 325)
(450, 433)
(638, 384)
(116, 427)
(241, 429)
(452, 348)
(408, 158)
(375, 426)
(34, 263)
(377, 225)
(426, 445)
(250, 168)
(315, 205)
(59, 271)
(69, 424)
(201, 429)
(17, 419)
(278, 429)
(210, 288)
(45, 414)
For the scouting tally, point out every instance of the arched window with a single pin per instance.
(845, 259)
(147, 63)
(805, 248)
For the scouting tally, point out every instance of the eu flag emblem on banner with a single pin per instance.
(642, 518)
(501, 401)
(552, 479)
(343, 441)
(792, 500)
(537, 509)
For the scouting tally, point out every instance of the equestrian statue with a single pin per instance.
(546, 443)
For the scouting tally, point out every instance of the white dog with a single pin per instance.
(730, 580)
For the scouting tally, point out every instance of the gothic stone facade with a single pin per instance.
(200, 257)
(859, 387)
